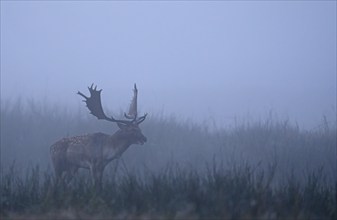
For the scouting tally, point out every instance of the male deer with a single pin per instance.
(95, 151)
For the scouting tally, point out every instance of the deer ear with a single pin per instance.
(121, 125)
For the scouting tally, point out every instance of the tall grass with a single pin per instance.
(256, 169)
(174, 193)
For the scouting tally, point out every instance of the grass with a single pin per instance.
(174, 193)
(267, 169)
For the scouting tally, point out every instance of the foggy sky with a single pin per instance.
(197, 60)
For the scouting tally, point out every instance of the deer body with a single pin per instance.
(95, 151)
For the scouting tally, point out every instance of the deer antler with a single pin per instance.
(141, 119)
(133, 112)
(133, 105)
(95, 106)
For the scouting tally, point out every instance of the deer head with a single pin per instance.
(128, 129)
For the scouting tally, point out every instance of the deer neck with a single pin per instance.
(118, 143)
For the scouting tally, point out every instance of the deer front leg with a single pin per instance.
(96, 171)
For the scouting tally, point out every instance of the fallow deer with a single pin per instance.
(95, 151)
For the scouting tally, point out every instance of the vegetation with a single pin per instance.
(172, 194)
(270, 169)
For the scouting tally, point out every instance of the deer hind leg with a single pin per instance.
(63, 172)
(70, 174)
(58, 169)
(58, 156)
(60, 176)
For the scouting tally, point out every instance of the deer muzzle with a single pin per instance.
(142, 140)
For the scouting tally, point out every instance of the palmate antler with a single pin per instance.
(94, 104)
(133, 112)
(133, 105)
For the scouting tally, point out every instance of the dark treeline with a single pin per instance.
(286, 159)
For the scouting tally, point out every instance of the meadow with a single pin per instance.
(265, 169)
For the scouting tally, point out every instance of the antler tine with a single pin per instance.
(81, 94)
(141, 119)
(121, 121)
(129, 117)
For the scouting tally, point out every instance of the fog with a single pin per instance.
(202, 61)
(240, 96)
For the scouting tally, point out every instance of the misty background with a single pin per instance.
(240, 96)
(202, 61)
(229, 81)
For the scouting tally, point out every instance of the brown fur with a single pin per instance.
(92, 151)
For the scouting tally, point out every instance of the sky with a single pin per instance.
(198, 60)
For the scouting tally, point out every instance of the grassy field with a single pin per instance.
(266, 169)
(174, 193)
